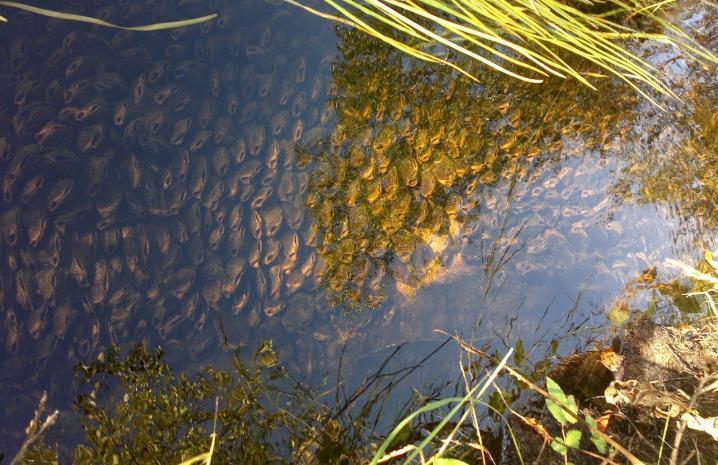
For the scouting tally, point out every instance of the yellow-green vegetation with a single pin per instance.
(635, 422)
(86, 19)
(463, 409)
(206, 457)
(705, 277)
(523, 39)
(659, 408)
(461, 437)
(135, 408)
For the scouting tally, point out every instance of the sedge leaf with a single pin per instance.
(99, 22)
(519, 354)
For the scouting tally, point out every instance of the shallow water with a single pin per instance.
(366, 199)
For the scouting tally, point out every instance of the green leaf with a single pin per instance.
(600, 444)
(556, 411)
(442, 461)
(570, 404)
(592, 425)
(573, 438)
(559, 447)
(555, 390)
(557, 393)
(597, 440)
(618, 314)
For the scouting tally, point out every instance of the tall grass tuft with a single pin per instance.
(524, 39)
(462, 405)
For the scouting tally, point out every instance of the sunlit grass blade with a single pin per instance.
(357, 23)
(470, 25)
(692, 272)
(99, 22)
(533, 35)
(449, 43)
(406, 421)
(385, 19)
(484, 385)
(542, 61)
(477, 391)
(206, 457)
(468, 34)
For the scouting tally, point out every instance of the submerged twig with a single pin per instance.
(35, 428)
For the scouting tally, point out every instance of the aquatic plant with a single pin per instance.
(134, 408)
(523, 39)
(86, 19)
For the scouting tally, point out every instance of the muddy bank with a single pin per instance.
(656, 395)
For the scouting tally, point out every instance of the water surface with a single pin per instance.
(266, 176)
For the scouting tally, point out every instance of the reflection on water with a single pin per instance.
(150, 190)
(677, 170)
(212, 187)
(414, 155)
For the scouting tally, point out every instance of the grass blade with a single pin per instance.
(528, 34)
(99, 22)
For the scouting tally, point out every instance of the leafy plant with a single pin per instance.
(134, 408)
(597, 440)
(564, 410)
